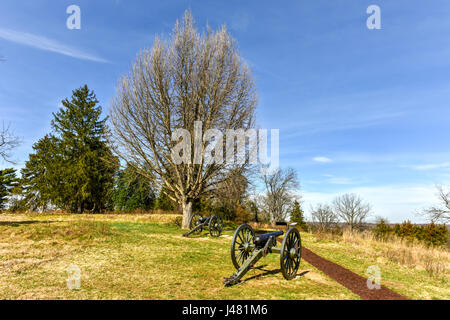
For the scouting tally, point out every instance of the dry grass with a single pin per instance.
(411, 254)
(411, 269)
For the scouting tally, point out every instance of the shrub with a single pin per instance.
(242, 215)
(431, 234)
(178, 221)
(407, 230)
(224, 212)
(382, 229)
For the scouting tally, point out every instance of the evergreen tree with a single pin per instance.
(133, 191)
(297, 215)
(8, 181)
(41, 181)
(73, 168)
(163, 202)
(254, 210)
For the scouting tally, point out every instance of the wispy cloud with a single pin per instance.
(340, 180)
(431, 166)
(43, 43)
(331, 125)
(331, 179)
(322, 159)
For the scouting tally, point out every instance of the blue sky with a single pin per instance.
(364, 111)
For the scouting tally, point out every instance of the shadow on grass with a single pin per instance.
(20, 223)
(227, 226)
(269, 272)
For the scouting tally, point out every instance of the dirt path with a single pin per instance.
(352, 281)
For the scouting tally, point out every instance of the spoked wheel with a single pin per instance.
(291, 254)
(215, 226)
(195, 221)
(242, 245)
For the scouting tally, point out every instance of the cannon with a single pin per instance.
(198, 223)
(247, 248)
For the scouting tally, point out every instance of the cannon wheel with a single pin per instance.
(215, 226)
(242, 245)
(291, 254)
(195, 222)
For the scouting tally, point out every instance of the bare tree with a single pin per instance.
(324, 216)
(440, 214)
(8, 142)
(233, 189)
(190, 78)
(351, 209)
(258, 208)
(279, 193)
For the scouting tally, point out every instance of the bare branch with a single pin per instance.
(8, 142)
(440, 214)
(351, 209)
(324, 216)
(279, 193)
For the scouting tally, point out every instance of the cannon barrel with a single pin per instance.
(261, 240)
(203, 219)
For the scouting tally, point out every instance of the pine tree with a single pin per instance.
(73, 168)
(163, 202)
(8, 181)
(42, 183)
(297, 215)
(133, 191)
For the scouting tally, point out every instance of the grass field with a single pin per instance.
(145, 257)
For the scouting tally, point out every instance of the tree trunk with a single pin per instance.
(187, 213)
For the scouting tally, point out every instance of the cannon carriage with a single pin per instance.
(247, 248)
(198, 223)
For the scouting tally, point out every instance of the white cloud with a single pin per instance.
(431, 166)
(340, 180)
(43, 43)
(322, 159)
(395, 202)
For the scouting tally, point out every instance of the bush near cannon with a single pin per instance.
(247, 248)
(198, 223)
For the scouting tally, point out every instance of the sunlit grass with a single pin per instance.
(133, 257)
(145, 257)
